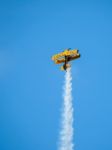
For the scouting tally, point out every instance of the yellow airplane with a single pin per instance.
(65, 56)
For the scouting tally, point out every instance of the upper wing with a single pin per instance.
(60, 58)
(65, 53)
(70, 52)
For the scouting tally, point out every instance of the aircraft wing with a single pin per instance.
(59, 58)
(74, 57)
(71, 52)
(59, 61)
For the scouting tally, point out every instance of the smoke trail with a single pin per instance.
(66, 134)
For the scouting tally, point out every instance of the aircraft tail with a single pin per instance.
(67, 66)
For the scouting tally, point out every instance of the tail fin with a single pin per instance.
(67, 66)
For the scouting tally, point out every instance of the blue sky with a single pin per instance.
(31, 85)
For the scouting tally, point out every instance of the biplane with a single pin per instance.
(65, 57)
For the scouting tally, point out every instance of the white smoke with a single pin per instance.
(66, 134)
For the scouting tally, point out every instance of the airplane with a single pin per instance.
(66, 56)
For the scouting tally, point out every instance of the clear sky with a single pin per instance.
(31, 31)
